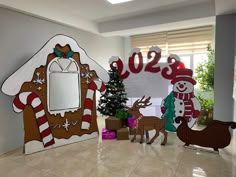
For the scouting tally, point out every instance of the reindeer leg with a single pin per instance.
(141, 134)
(135, 133)
(147, 134)
(165, 136)
(156, 135)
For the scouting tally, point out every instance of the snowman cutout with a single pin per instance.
(181, 101)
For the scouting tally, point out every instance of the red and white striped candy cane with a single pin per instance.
(92, 87)
(31, 98)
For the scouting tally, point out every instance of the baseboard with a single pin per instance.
(10, 152)
(234, 141)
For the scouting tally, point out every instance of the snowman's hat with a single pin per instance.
(183, 75)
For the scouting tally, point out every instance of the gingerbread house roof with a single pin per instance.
(12, 84)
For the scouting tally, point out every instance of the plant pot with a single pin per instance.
(205, 117)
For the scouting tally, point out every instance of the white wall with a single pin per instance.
(21, 36)
(234, 134)
(224, 67)
(225, 53)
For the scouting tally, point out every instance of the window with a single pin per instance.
(189, 44)
(63, 86)
(183, 41)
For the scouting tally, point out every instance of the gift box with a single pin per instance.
(131, 122)
(108, 135)
(123, 134)
(113, 123)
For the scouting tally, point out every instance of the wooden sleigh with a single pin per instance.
(216, 135)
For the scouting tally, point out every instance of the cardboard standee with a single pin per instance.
(55, 90)
(146, 122)
(181, 101)
(216, 135)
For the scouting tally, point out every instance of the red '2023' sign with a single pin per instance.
(168, 72)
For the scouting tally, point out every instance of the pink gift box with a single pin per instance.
(131, 122)
(108, 135)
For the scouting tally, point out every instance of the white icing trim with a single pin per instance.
(113, 58)
(135, 50)
(155, 49)
(35, 146)
(12, 85)
(174, 56)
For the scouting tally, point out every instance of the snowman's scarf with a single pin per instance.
(183, 96)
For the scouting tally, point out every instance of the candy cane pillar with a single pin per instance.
(31, 98)
(92, 87)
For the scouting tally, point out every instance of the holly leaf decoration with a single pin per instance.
(61, 54)
(70, 54)
(57, 52)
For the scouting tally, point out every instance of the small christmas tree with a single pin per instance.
(169, 113)
(115, 97)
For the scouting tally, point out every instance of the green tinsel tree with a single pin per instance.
(115, 97)
(170, 112)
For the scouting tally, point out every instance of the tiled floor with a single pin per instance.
(97, 158)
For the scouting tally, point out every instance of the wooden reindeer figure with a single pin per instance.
(146, 122)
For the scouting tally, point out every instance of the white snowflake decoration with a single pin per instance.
(66, 125)
(39, 88)
(39, 81)
(87, 75)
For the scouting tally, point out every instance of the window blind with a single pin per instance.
(178, 41)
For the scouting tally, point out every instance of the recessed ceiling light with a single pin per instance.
(118, 1)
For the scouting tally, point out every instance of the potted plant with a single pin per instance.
(205, 77)
(206, 114)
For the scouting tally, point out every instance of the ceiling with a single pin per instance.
(134, 17)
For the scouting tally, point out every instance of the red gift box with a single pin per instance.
(131, 122)
(108, 135)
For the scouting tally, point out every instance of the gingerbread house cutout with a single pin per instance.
(55, 89)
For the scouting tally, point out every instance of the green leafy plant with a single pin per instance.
(206, 103)
(205, 72)
(205, 78)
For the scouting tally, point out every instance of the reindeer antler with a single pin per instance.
(137, 101)
(144, 103)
